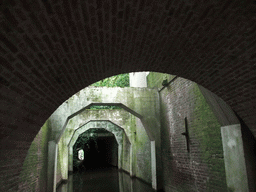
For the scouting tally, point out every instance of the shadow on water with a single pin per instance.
(103, 180)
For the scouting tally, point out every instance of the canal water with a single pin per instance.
(103, 180)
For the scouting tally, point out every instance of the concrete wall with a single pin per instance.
(142, 150)
(199, 169)
(202, 168)
(138, 79)
(235, 167)
(139, 165)
(63, 146)
(68, 117)
(141, 102)
(52, 49)
(126, 155)
(135, 136)
(121, 118)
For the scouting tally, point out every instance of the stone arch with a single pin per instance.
(78, 122)
(88, 106)
(123, 97)
(116, 130)
(107, 125)
(145, 107)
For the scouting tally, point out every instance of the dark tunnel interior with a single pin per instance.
(99, 152)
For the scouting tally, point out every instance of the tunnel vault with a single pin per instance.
(51, 50)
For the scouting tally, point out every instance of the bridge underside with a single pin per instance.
(51, 50)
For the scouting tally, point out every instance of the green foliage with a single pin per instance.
(121, 80)
(206, 129)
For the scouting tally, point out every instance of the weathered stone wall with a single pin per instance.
(141, 102)
(52, 49)
(68, 140)
(142, 154)
(33, 176)
(121, 118)
(202, 168)
(126, 154)
(135, 133)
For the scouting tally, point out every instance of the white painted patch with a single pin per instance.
(231, 143)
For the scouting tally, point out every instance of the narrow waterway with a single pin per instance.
(103, 180)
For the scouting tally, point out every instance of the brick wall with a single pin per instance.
(49, 50)
(202, 168)
(33, 176)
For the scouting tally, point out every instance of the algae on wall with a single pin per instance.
(126, 154)
(133, 99)
(155, 80)
(206, 128)
(201, 169)
(62, 161)
(34, 171)
(143, 154)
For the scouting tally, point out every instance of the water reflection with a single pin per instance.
(109, 179)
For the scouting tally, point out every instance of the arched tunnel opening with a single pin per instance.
(49, 50)
(100, 150)
(195, 121)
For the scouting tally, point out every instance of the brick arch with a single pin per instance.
(51, 50)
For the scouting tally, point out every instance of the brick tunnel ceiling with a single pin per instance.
(51, 50)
